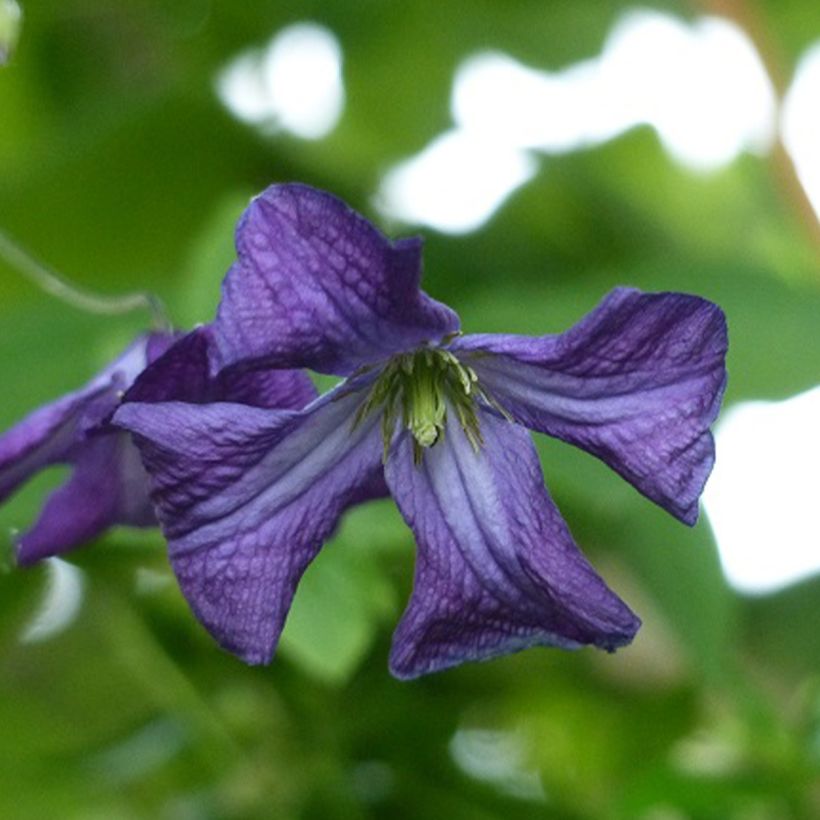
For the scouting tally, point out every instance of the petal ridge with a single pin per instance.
(637, 383)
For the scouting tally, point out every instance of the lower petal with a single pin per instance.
(83, 507)
(497, 569)
(246, 497)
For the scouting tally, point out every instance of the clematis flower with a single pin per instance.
(247, 496)
(108, 484)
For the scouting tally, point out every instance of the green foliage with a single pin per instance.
(344, 598)
(120, 168)
(9, 29)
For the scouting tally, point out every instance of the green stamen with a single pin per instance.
(422, 386)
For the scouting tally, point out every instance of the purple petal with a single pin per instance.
(265, 387)
(107, 486)
(246, 497)
(316, 285)
(182, 373)
(188, 372)
(637, 383)
(43, 438)
(375, 487)
(51, 433)
(497, 569)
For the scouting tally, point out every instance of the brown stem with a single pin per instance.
(746, 15)
(53, 283)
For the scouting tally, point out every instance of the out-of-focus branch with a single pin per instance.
(746, 15)
(51, 282)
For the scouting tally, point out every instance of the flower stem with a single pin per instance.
(58, 286)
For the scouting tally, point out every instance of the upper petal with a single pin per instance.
(637, 382)
(497, 569)
(316, 285)
(246, 497)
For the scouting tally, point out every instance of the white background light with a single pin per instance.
(496, 95)
(701, 86)
(801, 123)
(295, 83)
(497, 757)
(456, 183)
(61, 603)
(763, 499)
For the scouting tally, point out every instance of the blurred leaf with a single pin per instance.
(341, 601)
(788, 29)
(771, 631)
(212, 253)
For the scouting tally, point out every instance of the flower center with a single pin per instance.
(423, 387)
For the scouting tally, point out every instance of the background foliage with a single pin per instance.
(120, 167)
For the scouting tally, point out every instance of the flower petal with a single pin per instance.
(246, 497)
(107, 486)
(43, 438)
(637, 383)
(189, 371)
(51, 433)
(184, 374)
(316, 285)
(265, 387)
(497, 569)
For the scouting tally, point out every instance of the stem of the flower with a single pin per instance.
(58, 286)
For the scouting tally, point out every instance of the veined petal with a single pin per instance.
(637, 383)
(316, 285)
(189, 371)
(246, 497)
(108, 486)
(265, 387)
(497, 569)
(186, 374)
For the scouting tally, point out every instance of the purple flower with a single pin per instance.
(247, 496)
(108, 484)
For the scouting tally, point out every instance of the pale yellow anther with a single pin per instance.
(422, 385)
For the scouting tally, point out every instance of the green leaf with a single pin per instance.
(343, 599)
(211, 254)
